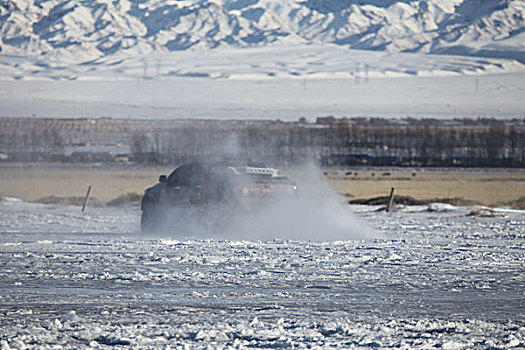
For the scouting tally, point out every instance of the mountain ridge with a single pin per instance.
(83, 31)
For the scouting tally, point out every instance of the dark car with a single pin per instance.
(210, 191)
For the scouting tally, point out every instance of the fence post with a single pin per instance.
(86, 199)
(390, 200)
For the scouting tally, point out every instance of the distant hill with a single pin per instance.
(83, 31)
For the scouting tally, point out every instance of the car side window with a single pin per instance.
(188, 174)
(198, 174)
(180, 175)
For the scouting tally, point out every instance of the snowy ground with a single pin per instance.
(439, 278)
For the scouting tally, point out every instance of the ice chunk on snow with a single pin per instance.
(211, 335)
(451, 345)
(70, 316)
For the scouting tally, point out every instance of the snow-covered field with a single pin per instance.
(423, 279)
(285, 82)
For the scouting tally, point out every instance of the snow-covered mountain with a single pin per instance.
(82, 31)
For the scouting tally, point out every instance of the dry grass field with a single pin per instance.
(488, 187)
(491, 187)
(33, 182)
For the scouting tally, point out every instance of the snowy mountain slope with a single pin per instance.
(86, 30)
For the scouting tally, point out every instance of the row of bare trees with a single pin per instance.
(32, 145)
(343, 143)
(330, 141)
(496, 144)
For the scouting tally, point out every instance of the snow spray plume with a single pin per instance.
(316, 213)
